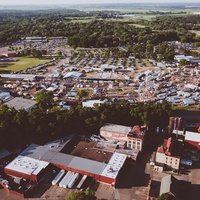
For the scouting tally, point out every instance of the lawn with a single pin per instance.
(22, 64)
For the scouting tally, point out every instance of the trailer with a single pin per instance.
(67, 181)
(58, 177)
(63, 180)
(73, 180)
(82, 181)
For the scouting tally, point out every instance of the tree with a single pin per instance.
(183, 62)
(59, 53)
(44, 100)
(166, 196)
(88, 194)
(82, 93)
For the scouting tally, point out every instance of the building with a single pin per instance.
(19, 103)
(4, 96)
(72, 75)
(132, 137)
(111, 172)
(175, 123)
(193, 138)
(115, 132)
(168, 185)
(91, 103)
(19, 77)
(27, 168)
(168, 155)
(135, 138)
(34, 160)
(9, 54)
(36, 39)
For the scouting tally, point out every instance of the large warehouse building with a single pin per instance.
(35, 159)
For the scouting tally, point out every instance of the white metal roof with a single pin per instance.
(72, 75)
(192, 136)
(114, 165)
(27, 165)
(91, 103)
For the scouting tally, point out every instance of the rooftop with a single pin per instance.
(116, 128)
(30, 77)
(37, 152)
(27, 165)
(20, 103)
(115, 164)
(192, 136)
(74, 162)
(89, 150)
(136, 132)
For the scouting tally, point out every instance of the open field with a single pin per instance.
(22, 64)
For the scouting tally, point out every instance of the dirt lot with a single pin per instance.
(6, 196)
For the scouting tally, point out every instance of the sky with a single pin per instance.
(35, 2)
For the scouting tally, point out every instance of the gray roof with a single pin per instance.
(74, 162)
(20, 103)
(169, 184)
(40, 152)
(165, 184)
(87, 165)
(51, 153)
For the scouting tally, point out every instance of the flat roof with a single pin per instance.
(114, 166)
(74, 162)
(192, 136)
(51, 153)
(20, 103)
(38, 152)
(19, 76)
(27, 165)
(116, 128)
(34, 158)
(89, 150)
(165, 184)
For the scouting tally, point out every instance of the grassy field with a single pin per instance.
(22, 64)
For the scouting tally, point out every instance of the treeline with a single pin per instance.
(187, 22)
(18, 128)
(114, 34)
(98, 33)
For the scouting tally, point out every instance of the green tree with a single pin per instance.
(44, 99)
(59, 53)
(83, 93)
(166, 196)
(183, 62)
(88, 194)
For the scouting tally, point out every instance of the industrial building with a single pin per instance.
(133, 137)
(35, 160)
